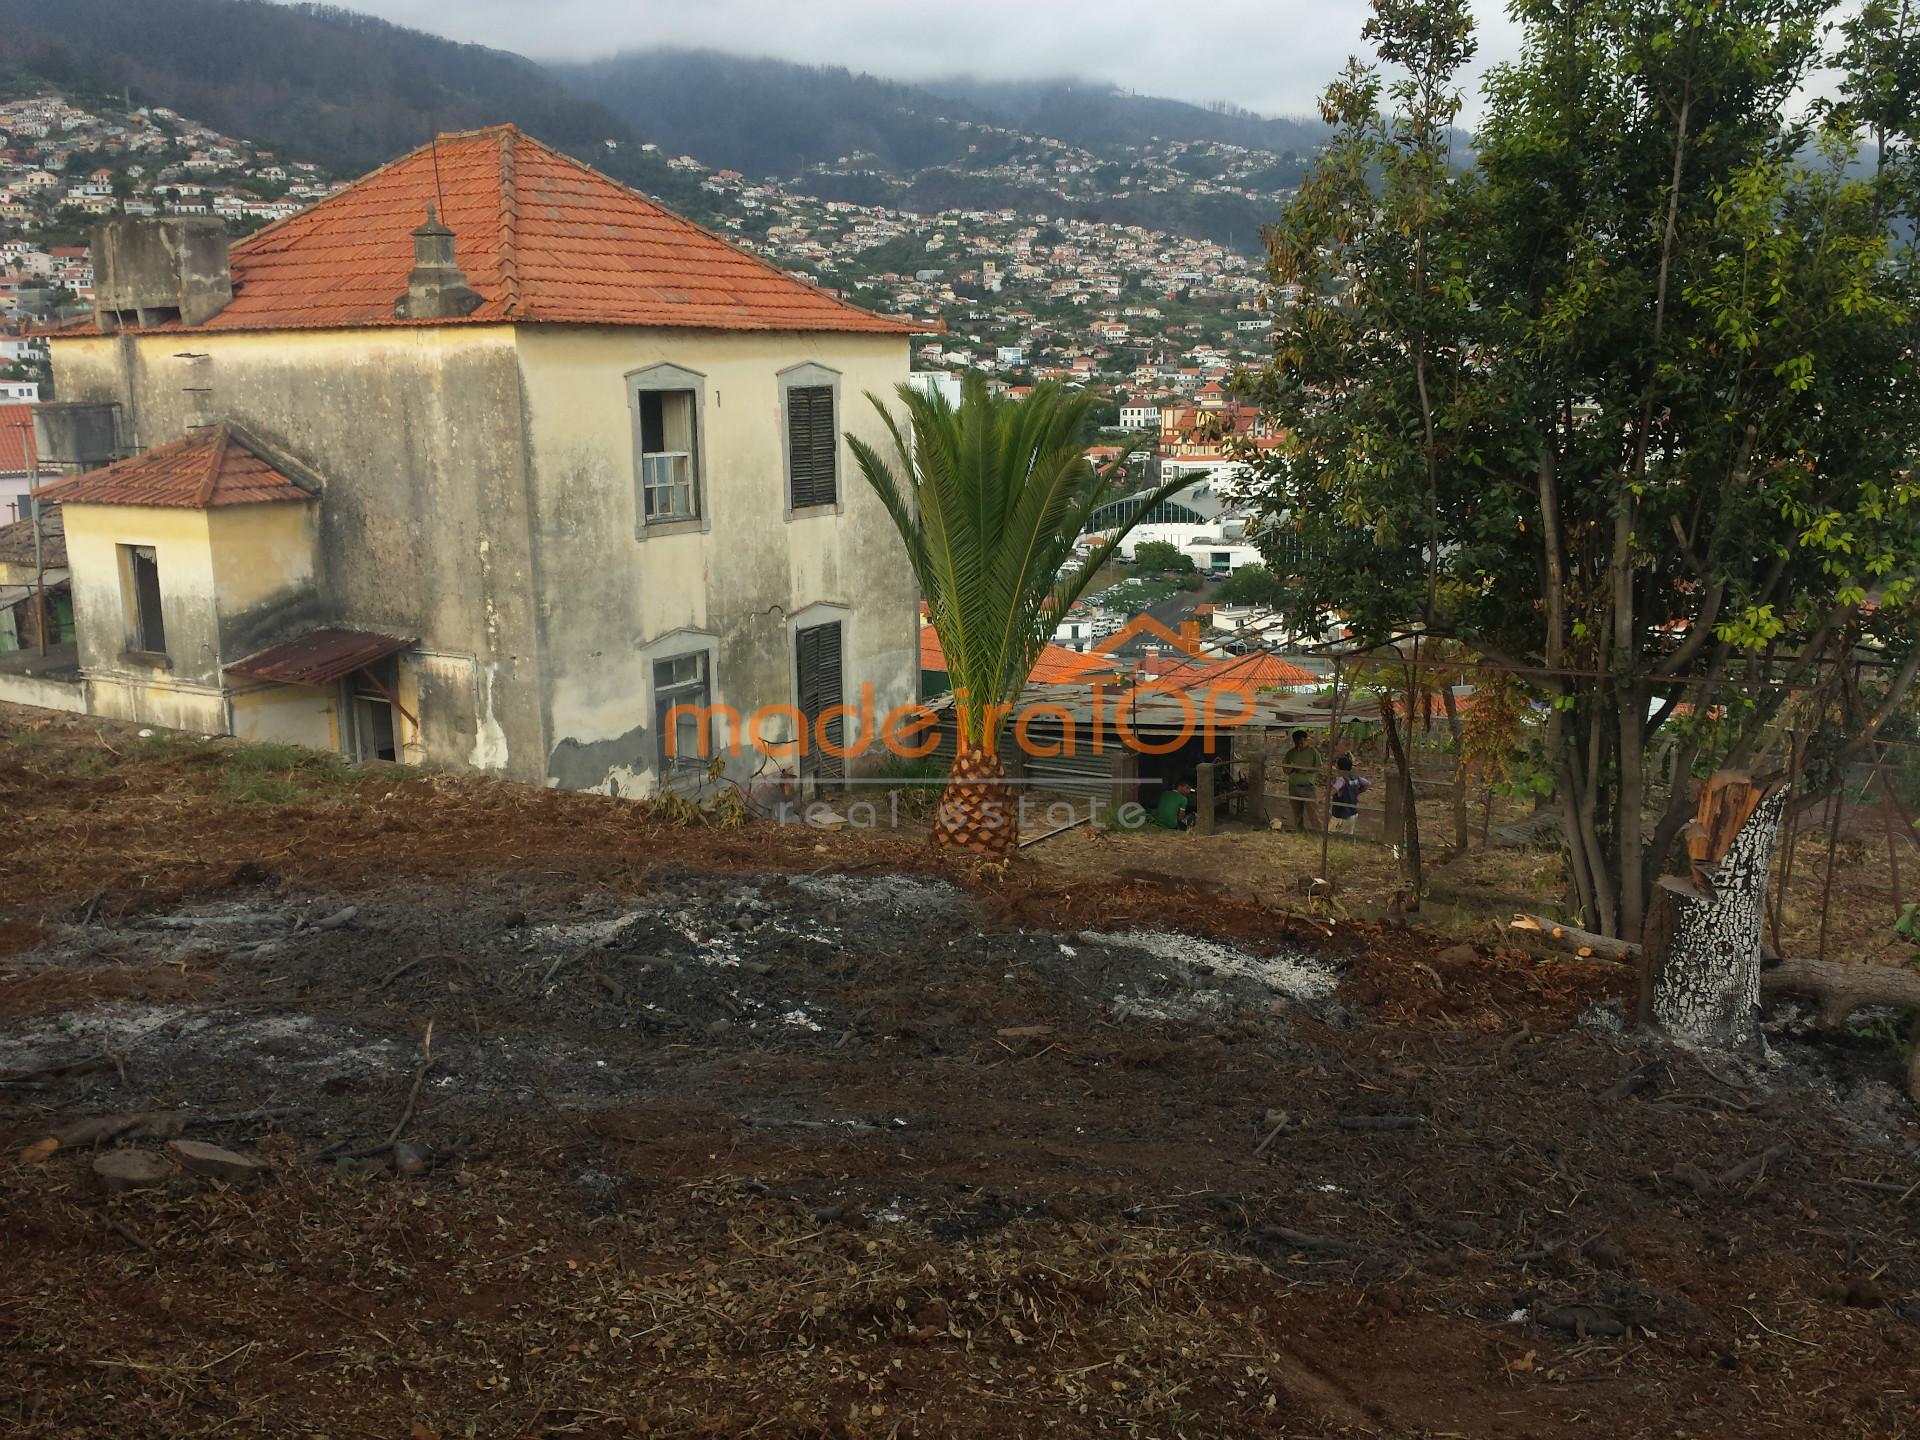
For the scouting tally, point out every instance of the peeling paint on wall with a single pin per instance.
(490, 745)
(618, 766)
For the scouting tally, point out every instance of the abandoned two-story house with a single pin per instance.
(484, 461)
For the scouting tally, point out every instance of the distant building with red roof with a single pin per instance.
(484, 460)
(1055, 665)
(1244, 674)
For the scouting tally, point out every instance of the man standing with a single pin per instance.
(1302, 767)
(1344, 801)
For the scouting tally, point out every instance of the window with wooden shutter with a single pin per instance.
(812, 447)
(817, 661)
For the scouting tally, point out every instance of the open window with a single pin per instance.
(666, 431)
(370, 690)
(140, 594)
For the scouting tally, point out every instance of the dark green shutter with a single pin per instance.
(812, 447)
(817, 660)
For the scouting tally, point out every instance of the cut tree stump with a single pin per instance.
(1837, 988)
(1700, 952)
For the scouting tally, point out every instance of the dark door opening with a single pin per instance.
(369, 694)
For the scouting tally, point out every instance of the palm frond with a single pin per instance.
(989, 497)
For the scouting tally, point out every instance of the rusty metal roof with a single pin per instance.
(318, 657)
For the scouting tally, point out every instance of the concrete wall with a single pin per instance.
(289, 714)
(417, 434)
(43, 693)
(611, 603)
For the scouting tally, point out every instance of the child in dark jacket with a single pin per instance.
(1344, 801)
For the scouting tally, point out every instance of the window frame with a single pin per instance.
(810, 375)
(667, 379)
(134, 606)
(680, 645)
(823, 612)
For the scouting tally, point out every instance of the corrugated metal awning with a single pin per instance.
(318, 657)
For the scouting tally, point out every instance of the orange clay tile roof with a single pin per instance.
(1055, 665)
(542, 237)
(16, 439)
(1244, 674)
(211, 467)
(17, 545)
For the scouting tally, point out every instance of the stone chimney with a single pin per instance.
(150, 271)
(437, 289)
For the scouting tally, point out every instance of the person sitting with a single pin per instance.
(1175, 810)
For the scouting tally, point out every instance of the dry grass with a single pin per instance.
(1473, 894)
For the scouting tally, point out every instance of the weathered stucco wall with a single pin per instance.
(42, 693)
(185, 692)
(417, 434)
(264, 560)
(611, 603)
(290, 714)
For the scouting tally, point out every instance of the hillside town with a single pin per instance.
(1146, 317)
(64, 167)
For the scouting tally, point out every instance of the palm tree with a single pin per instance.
(989, 497)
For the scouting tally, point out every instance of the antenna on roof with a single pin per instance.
(439, 199)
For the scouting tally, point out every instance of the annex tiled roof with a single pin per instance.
(542, 238)
(16, 541)
(210, 468)
(16, 442)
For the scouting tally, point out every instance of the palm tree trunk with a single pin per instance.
(976, 811)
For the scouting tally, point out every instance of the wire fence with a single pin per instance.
(1849, 857)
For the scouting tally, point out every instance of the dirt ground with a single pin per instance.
(1471, 895)
(579, 1123)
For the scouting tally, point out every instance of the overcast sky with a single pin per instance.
(1273, 56)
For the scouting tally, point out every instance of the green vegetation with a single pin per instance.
(1636, 394)
(989, 498)
(273, 774)
(1252, 585)
(1156, 557)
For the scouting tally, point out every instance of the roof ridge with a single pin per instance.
(509, 220)
(215, 462)
(246, 242)
(671, 214)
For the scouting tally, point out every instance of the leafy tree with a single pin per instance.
(1372, 375)
(989, 497)
(1252, 585)
(1632, 401)
(1157, 556)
